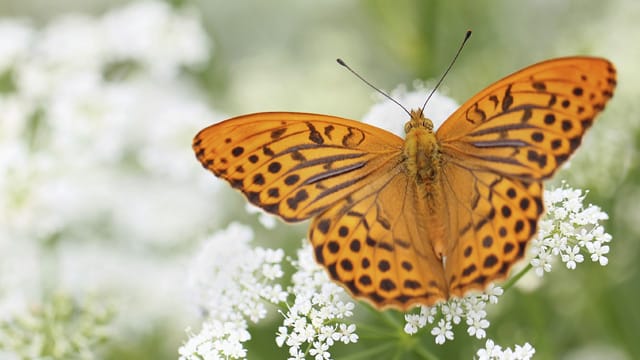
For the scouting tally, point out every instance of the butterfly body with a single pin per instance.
(401, 222)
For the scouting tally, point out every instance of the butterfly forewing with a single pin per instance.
(529, 123)
(295, 165)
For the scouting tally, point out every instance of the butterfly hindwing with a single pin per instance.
(293, 164)
(490, 218)
(529, 123)
(376, 243)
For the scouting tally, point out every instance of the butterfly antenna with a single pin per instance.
(464, 41)
(341, 62)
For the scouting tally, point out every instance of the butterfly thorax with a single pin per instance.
(421, 149)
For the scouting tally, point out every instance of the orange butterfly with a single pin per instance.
(416, 221)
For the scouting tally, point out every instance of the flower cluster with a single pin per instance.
(470, 310)
(316, 316)
(568, 230)
(232, 281)
(75, 133)
(60, 328)
(97, 179)
(495, 352)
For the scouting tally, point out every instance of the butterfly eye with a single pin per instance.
(426, 123)
(408, 126)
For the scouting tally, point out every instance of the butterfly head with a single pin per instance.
(418, 121)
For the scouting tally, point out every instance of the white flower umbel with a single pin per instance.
(444, 315)
(99, 188)
(492, 351)
(569, 230)
(232, 281)
(157, 35)
(315, 320)
(59, 328)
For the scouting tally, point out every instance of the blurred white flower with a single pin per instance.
(228, 275)
(228, 336)
(73, 42)
(16, 38)
(230, 282)
(267, 220)
(99, 184)
(59, 328)
(388, 115)
(156, 35)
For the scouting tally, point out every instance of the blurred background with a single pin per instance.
(104, 211)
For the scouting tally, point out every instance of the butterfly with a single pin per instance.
(415, 221)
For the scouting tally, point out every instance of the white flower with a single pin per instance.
(567, 230)
(413, 323)
(598, 252)
(542, 263)
(491, 351)
(317, 314)
(228, 336)
(494, 292)
(282, 335)
(524, 352)
(296, 354)
(328, 334)
(452, 311)
(319, 351)
(477, 324)
(495, 352)
(231, 282)
(572, 256)
(442, 332)
(344, 309)
(471, 308)
(347, 333)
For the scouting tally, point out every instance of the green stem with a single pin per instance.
(386, 316)
(371, 352)
(372, 331)
(425, 353)
(517, 277)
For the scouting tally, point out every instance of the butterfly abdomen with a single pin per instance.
(423, 161)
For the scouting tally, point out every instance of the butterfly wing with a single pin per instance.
(529, 123)
(498, 147)
(295, 165)
(489, 219)
(376, 243)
